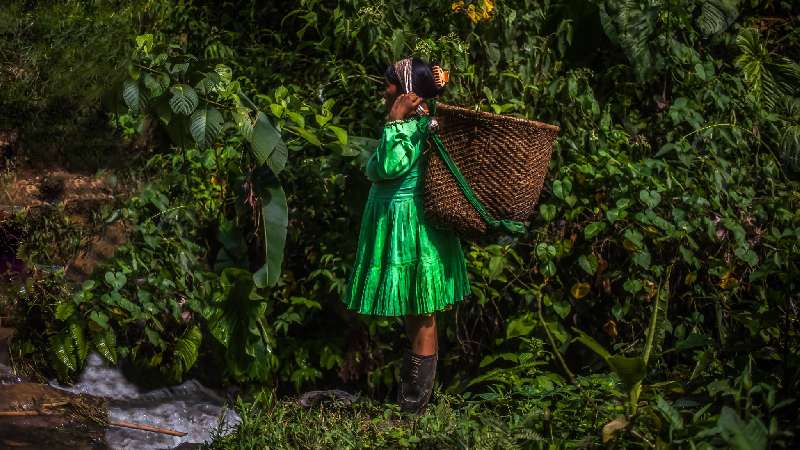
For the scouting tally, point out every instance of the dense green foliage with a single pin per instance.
(665, 245)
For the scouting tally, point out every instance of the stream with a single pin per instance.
(189, 407)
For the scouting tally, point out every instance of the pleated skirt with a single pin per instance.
(404, 266)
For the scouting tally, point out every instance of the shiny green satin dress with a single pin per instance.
(403, 266)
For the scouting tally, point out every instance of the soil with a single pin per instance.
(77, 422)
(62, 420)
(81, 196)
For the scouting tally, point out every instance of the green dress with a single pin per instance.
(403, 266)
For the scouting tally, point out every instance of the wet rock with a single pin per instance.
(313, 397)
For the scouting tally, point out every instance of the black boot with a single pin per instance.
(416, 382)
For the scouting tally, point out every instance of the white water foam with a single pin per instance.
(189, 407)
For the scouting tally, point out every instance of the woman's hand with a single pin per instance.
(404, 105)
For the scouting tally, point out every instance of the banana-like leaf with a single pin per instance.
(275, 214)
(754, 63)
(265, 140)
(205, 125)
(268, 147)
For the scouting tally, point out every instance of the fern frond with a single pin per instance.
(106, 344)
(62, 350)
(79, 339)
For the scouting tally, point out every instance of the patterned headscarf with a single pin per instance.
(403, 70)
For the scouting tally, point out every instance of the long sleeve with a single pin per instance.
(400, 146)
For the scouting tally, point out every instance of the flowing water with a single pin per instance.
(189, 407)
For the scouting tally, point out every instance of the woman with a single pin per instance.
(403, 266)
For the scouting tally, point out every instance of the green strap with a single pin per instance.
(510, 226)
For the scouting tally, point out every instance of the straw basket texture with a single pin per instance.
(503, 158)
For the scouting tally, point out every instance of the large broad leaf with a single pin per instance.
(184, 99)
(205, 125)
(238, 288)
(233, 250)
(521, 326)
(156, 84)
(717, 15)
(236, 323)
(178, 131)
(241, 117)
(187, 348)
(268, 147)
(132, 96)
(631, 25)
(631, 370)
(275, 215)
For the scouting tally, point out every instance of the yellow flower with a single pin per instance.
(473, 14)
(488, 6)
(457, 5)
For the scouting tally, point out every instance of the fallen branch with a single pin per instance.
(18, 413)
(136, 426)
(114, 423)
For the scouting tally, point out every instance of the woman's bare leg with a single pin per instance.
(422, 334)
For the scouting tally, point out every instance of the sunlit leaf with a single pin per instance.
(106, 344)
(580, 290)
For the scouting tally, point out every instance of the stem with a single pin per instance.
(569, 373)
(633, 398)
(651, 331)
(139, 426)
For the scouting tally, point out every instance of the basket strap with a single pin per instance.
(510, 226)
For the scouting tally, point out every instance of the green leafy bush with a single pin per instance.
(673, 182)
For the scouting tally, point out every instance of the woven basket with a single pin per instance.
(503, 158)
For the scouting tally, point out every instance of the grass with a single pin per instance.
(520, 417)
